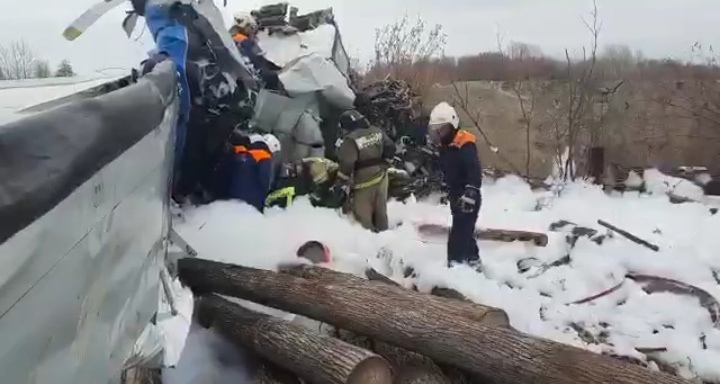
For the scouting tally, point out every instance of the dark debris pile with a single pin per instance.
(393, 106)
(282, 18)
(390, 104)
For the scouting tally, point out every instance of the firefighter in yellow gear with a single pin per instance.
(313, 176)
(362, 157)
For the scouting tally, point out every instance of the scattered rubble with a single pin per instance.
(390, 104)
(574, 232)
(629, 236)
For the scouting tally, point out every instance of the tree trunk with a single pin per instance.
(317, 358)
(452, 374)
(509, 236)
(467, 309)
(395, 316)
(596, 164)
(491, 234)
(409, 367)
(271, 374)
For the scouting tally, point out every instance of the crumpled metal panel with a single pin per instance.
(278, 114)
(295, 121)
(339, 55)
(79, 284)
(314, 73)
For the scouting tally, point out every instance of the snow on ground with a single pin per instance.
(628, 318)
(208, 359)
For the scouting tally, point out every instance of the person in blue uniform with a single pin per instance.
(250, 170)
(460, 166)
(213, 83)
(171, 39)
(244, 34)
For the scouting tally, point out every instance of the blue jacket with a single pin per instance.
(250, 174)
(248, 47)
(171, 39)
(460, 164)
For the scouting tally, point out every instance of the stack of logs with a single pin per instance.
(384, 333)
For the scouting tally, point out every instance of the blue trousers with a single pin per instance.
(462, 245)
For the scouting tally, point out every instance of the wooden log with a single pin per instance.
(452, 374)
(374, 275)
(410, 367)
(314, 357)
(269, 373)
(493, 316)
(467, 309)
(491, 234)
(539, 239)
(390, 314)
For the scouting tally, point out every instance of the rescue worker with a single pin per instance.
(250, 169)
(460, 166)
(311, 176)
(212, 85)
(171, 39)
(244, 31)
(362, 157)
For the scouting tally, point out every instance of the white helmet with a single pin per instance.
(272, 142)
(245, 21)
(442, 114)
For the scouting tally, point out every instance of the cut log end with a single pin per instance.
(312, 356)
(373, 370)
(409, 367)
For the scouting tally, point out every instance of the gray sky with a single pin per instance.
(657, 27)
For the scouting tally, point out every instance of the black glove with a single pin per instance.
(333, 197)
(340, 192)
(470, 199)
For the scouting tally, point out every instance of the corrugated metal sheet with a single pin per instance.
(80, 283)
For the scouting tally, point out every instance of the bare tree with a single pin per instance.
(16, 60)
(693, 95)
(574, 110)
(41, 69)
(405, 51)
(525, 87)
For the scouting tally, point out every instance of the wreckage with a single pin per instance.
(76, 299)
(82, 303)
(320, 84)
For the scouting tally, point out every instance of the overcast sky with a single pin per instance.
(657, 27)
